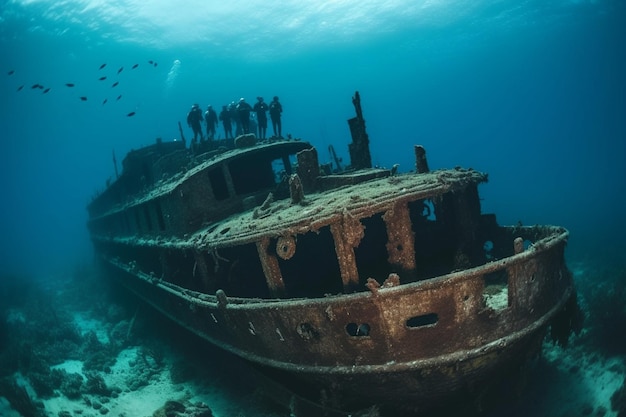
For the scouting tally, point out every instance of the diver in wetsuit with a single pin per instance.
(210, 117)
(194, 118)
(226, 122)
(244, 110)
(261, 116)
(234, 117)
(275, 112)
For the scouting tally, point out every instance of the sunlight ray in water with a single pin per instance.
(258, 27)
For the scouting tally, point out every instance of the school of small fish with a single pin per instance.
(47, 89)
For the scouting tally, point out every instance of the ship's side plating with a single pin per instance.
(400, 278)
(362, 288)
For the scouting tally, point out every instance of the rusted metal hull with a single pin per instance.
(467, 381)
(410, 347)
(357, 288)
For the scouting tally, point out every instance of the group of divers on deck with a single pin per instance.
(246, 119)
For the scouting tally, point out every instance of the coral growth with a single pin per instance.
(147, 364)
(20, 399)
(182, 408)
(38, 332)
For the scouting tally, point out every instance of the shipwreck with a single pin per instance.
(363, 287)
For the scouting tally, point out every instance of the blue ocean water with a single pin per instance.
(532, 92)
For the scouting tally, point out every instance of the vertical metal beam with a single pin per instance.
(271, 269)
(421, 163)
(308, 168)
(229, 180)
(400, 238)
(359, 148)
(201, 269)
(347, 235)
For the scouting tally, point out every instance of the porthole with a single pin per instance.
(354, 329)
(429, 319)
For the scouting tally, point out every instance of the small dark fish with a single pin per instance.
(102, 66)
(40, 87)
(135, 66)
(46, 90)
(155, 64)
(69, 84)
(151, 62)
(115, 84)
(83, 98)
(34, 86)
(11, 72)
(118, 98)
(20, 88)
(131, 114)
(120, 70)
(105, 101)
(102, 78)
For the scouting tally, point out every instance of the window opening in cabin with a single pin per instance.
(313, 269)
(283, 167)
(119, 223)
(137, 219)
(218, 183)
(371, 253)
(146, 213)
(146, 170)
(423, 320)
(428, 211)
(496, 290)
(251, 174)
(278, 167)
(126, 222)
(488, 248)
(159, 213)
(260, 172)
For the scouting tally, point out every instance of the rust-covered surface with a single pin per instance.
(338, 282)
(406, 322)
(426, 338)
(277, 218)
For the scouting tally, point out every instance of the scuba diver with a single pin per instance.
(226, 122)
(194, 118)
(234, 117)
(275, 111)
(261, 116)
(244, 110)
(210, 117)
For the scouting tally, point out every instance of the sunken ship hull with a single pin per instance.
(361, 288)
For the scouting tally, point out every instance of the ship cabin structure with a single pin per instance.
(263, 222)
